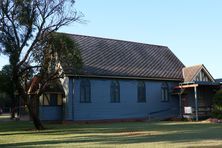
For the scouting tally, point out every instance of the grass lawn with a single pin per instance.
(4, 116)
(130, 134)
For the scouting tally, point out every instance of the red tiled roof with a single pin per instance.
(109, 57)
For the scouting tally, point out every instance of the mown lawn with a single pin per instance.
(132, 134)
(4, 117)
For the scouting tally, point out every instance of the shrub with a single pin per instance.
(217, 105)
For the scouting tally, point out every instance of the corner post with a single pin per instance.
(196, 102)
(180, 105)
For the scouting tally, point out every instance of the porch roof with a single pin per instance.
(196, 84)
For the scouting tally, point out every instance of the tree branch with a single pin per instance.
(29, 30)
(13, 26)
(28, 68)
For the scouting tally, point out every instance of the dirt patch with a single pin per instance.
(212, 120)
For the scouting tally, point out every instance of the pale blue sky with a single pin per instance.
(192, 29)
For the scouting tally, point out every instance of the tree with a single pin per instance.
(28, 38)
(6, 88)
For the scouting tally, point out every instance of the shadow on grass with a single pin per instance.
(120, 133)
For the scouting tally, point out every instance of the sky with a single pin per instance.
(192, 29)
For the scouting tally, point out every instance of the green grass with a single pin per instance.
(4, 117)
(131, 134)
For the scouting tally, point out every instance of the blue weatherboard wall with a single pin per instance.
(101, 107)
(50, 112)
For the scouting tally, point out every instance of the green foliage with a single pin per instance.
(28, 38)
(66, 49)
(6, 86)
(5, 79)
(27, 30)
(25, 25)
(217, 105)
(5, 100)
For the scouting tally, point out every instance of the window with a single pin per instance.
(164, 92)
(51, 99)
(59, 99)
(115, 91)
(85, 91)
(141, 92)
(46, 99)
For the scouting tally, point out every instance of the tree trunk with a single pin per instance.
(23, 94)
(36, 121)
(13, 111)
(13, 105)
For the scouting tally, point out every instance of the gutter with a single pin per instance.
(122, 77)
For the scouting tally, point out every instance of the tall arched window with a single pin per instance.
(85, 91)
(115, 91)
(165, 92)
(141, 92)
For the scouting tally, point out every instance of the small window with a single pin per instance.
(164, 92)
(59, 99)
(41, 100)
(85, 91)
(141, 92)
(115, 92)
(46, 99)
(51, 99)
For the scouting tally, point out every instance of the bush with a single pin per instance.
(217, 105)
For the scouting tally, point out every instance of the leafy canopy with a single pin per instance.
(217, 105)
(26, 26)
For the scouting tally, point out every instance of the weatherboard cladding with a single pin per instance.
(109, 57)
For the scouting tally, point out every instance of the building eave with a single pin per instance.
(123, 77)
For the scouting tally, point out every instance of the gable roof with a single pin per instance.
(189, 73)
(52, 86)
(117, 58)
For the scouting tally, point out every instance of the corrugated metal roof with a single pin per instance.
(110, 57)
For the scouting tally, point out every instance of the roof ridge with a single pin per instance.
(195, 66)
(106, 38)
